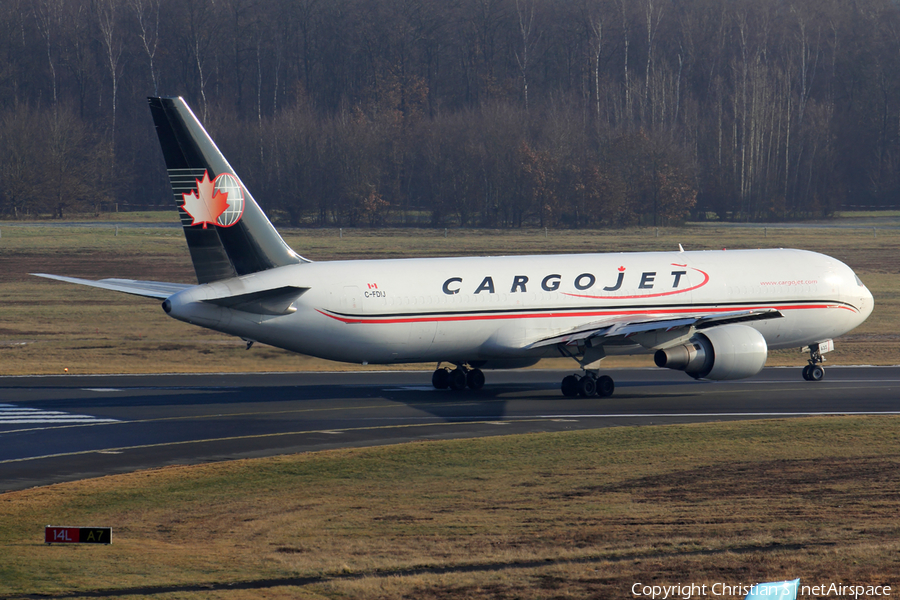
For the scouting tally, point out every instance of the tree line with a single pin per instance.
(497, 113)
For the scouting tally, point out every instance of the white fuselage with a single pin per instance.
(493, 308)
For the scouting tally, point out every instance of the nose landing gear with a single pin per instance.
(813, 371)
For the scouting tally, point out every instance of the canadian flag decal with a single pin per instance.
(218, 202)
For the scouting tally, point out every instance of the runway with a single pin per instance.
(64, 428)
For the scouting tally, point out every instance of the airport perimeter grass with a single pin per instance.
(581, 514)
(46, 326)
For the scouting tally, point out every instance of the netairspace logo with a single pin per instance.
(846, 590)
(779, 590)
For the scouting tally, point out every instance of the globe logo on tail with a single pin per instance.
(218, 202)
(228, 184)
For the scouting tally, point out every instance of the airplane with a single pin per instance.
(712, 314)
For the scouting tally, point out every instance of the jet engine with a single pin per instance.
(726, 352)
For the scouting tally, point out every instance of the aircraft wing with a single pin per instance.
(147, 289)
(623, 328)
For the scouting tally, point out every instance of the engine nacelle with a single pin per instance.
(726, 352)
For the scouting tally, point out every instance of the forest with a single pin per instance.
(461, 113)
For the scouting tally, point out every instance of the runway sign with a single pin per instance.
(77, 535)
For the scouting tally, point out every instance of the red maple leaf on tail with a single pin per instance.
(205, 204)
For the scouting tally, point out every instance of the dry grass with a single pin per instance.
(48, 326)
(571, 515)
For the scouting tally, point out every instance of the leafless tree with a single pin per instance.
(146, 13)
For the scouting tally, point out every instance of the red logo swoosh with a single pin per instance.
(657, 295)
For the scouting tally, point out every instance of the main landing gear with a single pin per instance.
(458, 379)
(588, 385)
(813, 371)
(591, 383)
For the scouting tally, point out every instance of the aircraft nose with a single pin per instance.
(862, 298)
(867, 304)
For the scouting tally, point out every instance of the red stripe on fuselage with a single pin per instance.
(548, 315)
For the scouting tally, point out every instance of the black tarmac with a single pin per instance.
(65, 428)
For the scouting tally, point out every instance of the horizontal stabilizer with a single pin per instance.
(147, 289)
(276, 301)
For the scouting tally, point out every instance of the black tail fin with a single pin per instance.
(226, 231)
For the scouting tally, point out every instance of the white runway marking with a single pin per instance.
(411, 388)
(11, 414)
(716, 414)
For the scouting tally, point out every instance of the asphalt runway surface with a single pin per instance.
(65, 428)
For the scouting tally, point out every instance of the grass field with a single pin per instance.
(566, 515)
(46, 326)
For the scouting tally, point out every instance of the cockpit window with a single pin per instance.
(859, 281)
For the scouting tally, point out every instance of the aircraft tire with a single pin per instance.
(475, 379)
(457, 379)
(569, 386)
(806, 372)
(605, 386)
(441, 379)
(587, 386)
(816, 373)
